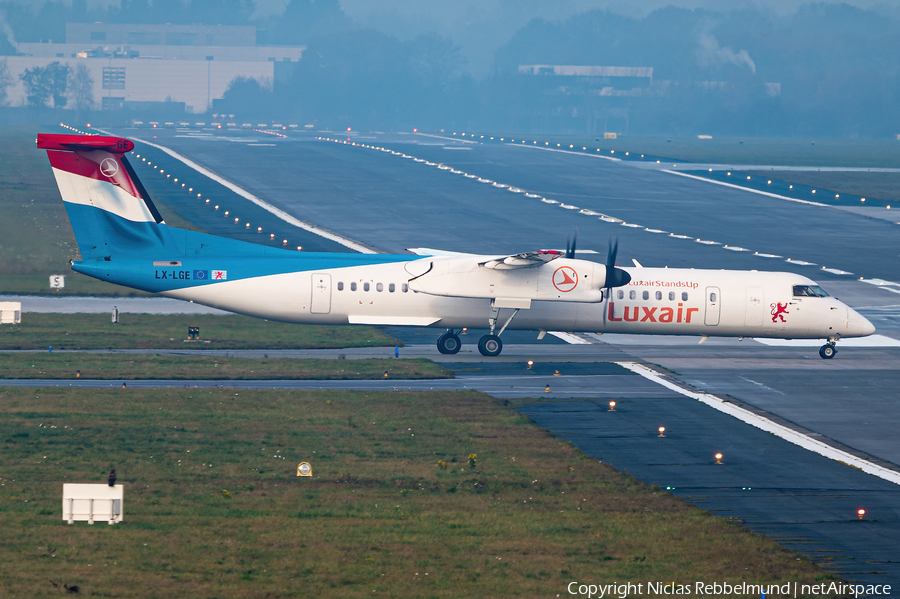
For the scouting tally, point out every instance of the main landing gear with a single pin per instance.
(449, 342)
(489, 345)
(828, 350)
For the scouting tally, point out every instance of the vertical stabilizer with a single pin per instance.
(110, 211)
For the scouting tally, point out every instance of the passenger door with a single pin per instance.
(755, 307)
(321, 294)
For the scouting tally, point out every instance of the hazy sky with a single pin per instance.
(479, 27)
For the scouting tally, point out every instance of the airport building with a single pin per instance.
(597, 96)
(189, 64)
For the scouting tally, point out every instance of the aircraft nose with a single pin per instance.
(858, 325)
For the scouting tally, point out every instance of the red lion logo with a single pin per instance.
(777, 310)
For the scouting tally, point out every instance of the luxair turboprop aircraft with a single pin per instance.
(124, 240)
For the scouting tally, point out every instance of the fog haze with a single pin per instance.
(729, 67)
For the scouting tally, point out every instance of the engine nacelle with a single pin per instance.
(559, 280)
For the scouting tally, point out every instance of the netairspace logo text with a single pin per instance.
(719, 589)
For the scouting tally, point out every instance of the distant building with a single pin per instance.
(190, 64)
(595, 80)
(594, 95)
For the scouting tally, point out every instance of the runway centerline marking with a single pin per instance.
(767, 425)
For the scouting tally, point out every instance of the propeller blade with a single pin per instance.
(574, 241)
(611, 255)
(568, 248)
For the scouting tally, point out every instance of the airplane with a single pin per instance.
(123, 239)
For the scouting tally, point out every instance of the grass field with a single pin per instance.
(139, 366)
(213, 507)
(150, 331)
(864, 153)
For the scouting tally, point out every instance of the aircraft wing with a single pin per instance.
(439, 253)
(523, 260)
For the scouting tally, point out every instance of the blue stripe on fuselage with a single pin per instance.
(131, 248)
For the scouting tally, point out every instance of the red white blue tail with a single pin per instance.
(110, 210)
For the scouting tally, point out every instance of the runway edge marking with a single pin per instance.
(260, 202)
(757, 191)
(767, 425)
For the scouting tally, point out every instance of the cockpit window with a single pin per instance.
(809, 291)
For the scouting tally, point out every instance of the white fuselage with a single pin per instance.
(656, 301)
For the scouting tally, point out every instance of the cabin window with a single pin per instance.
(340, 285)
(671, 296)
(392, 288)
(365, 286)
(632, 294)
(684, 296)
(353, 286)
(646, 295)
(659, 295)
(404, 288)
(379, 287)
(712, 297)
(620, 294)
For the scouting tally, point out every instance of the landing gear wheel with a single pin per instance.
(827, 351)
(449, 343)
(490, 345)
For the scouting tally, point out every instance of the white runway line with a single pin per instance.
(870, 341)
(261, 203)
(733, 186)
(569, 338)
(767, 425)
(566, 152)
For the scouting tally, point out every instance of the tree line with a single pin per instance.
(826, 69)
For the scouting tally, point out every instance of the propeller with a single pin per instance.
(615, 277)
(570, 249)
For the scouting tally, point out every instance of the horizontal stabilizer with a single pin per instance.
(53, 141)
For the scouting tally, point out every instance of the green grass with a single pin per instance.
(150, 331)
(213, 506)
(139, 366)
(869, 153)
(873, 186)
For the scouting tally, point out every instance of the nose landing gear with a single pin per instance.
(828, 350)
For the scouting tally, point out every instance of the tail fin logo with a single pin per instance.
(109, 167)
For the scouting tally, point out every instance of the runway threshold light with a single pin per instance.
(718, 457)
(662, 431)
(860, 512)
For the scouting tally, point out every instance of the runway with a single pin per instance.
(389, 201)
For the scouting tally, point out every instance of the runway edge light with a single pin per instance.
(304, 469)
